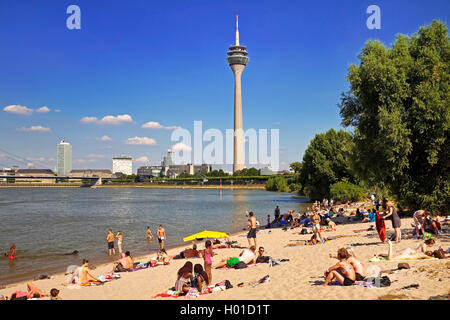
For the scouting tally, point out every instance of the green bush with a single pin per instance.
(277, 184)
(346, 191)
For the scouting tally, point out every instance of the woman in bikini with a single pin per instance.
(360, 272)
(184, 278)
(119, 237)
(407, 253)
(342, 271)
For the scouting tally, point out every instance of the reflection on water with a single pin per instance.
(45, 223)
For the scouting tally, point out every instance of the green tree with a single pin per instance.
(399, 106)
(326, 161)
(296, 166)
(247, 172)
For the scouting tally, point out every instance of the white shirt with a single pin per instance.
(247, 255)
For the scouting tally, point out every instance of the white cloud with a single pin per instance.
(40, 159)
(181, 147)
(142, 159)
(35, 129)
(18, 110)
(43, 109)
(57, 110)
(96, 156)
(141, 141)
(104, 138)
(88, 119)
(113, 120)
(157, 125)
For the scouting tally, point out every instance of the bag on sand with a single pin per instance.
(385, 281)
(440, 254)
(403, 265)
(240, 265)
(263, 259)
(304, 231)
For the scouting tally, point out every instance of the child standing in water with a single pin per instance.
(12, 252)
(149, 234)
(110, 240)
(207, 254)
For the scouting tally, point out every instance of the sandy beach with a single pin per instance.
(298, 278)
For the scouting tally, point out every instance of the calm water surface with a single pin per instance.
(46, 223)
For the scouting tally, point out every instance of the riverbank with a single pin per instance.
(175, 186)
(299, 278)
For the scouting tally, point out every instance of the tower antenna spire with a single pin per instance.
(237, 31)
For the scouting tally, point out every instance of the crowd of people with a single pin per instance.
(317, 220)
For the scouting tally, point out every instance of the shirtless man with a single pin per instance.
(161, 233)
(149, 234)
(315, 219)
(247, 256)
(83, 273)
(110, 240)
(419, 221)
(252, 229)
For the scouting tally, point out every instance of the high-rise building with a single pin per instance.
(168, 160)
(237, 59)
(64, 158)
(122, 164)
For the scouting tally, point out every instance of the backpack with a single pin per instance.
(385, 281)
(263, 259)
(304, 231)
(240, 265)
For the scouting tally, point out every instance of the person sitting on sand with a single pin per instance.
(342, 271)
(405, 254)
(184, 278)
(187, 253)
(247, 256)
(331, 225)
(162, 257)
(83, 273)
(11, 254)
(125, 263)
(200, 280)
(54, 294)
(360, 272)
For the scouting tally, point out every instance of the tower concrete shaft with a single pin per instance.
(237, 59)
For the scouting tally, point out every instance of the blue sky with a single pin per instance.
(164, 61)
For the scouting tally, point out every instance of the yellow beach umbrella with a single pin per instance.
(206, 234)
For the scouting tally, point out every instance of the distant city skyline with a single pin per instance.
(136, 71)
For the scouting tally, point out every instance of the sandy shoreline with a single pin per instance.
(299, 278)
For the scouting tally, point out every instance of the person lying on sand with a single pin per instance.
(406, 253)
(331, 225)
(247, 256)
(33, 292)
(358, 266)
(187, 253)
(342, 271)
(310, 242)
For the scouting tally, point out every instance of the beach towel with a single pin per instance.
(365, 284)
(248, 266)
(361, 230)
(378, 259)
(193, 292)
(381, 228)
